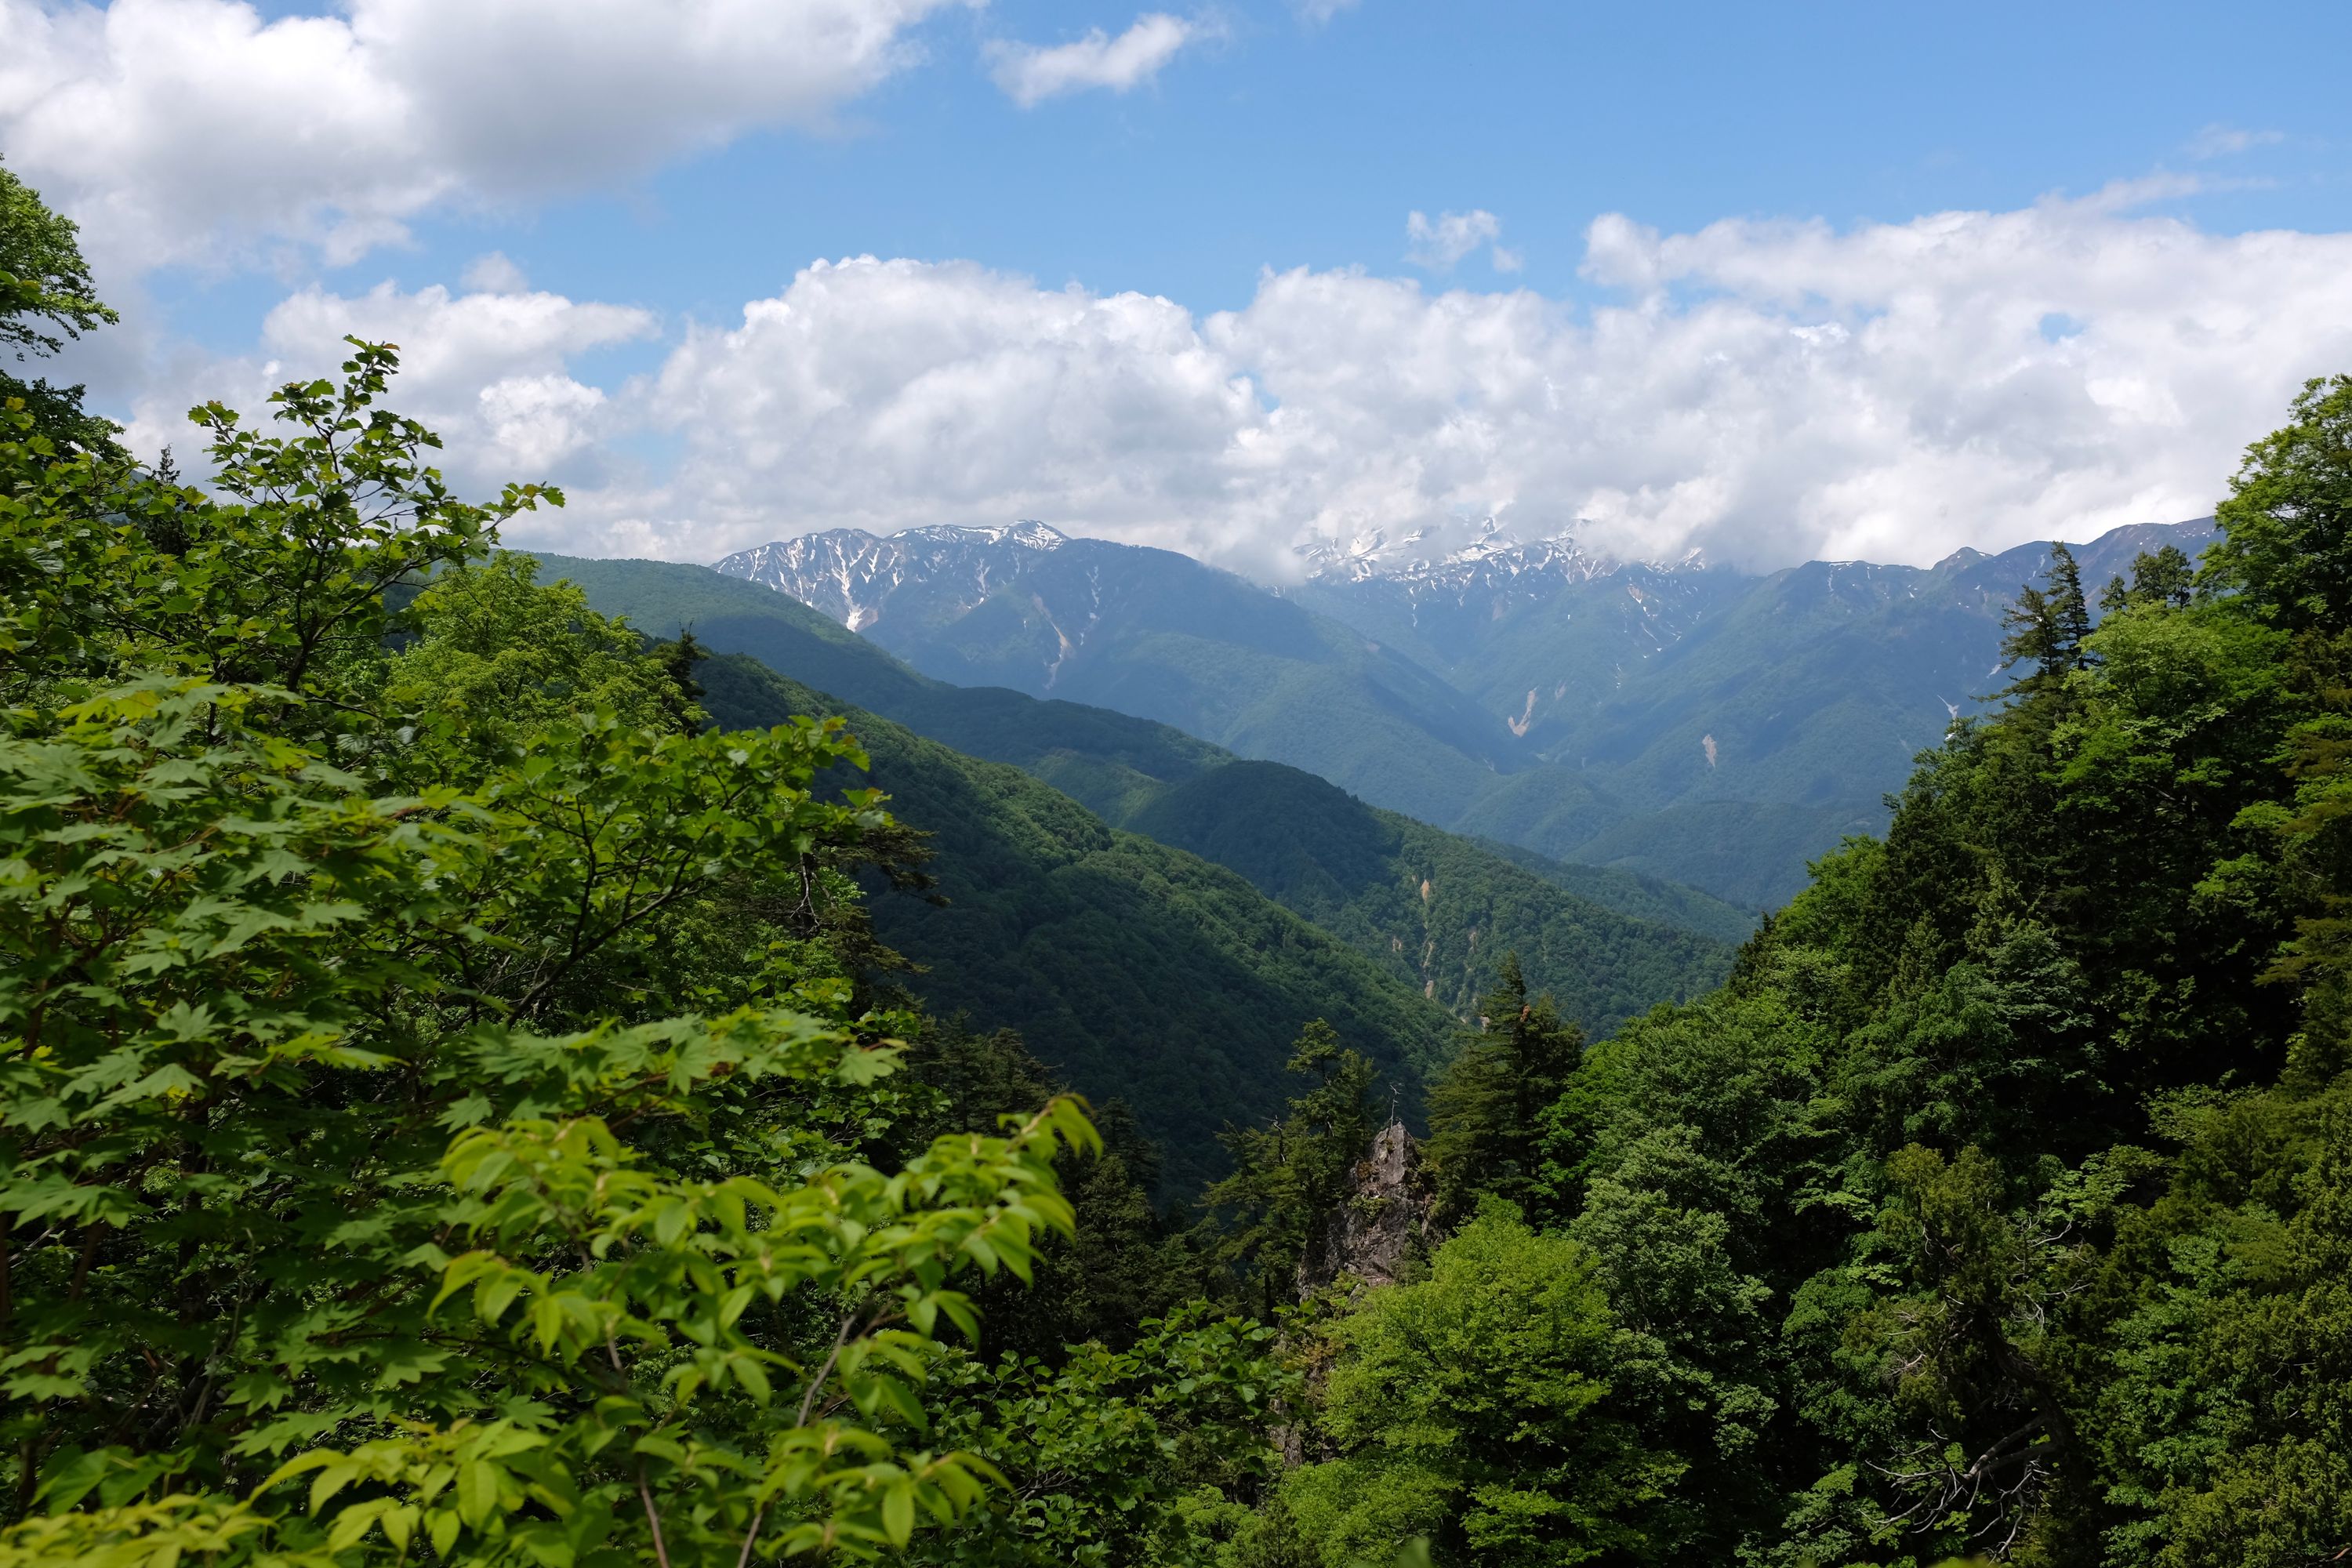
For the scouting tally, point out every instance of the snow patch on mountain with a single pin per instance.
(853, 577)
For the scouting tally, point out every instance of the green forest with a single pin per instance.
(468, 1098)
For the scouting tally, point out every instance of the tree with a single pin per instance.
(1487, 1113)
(1118, 1458)
(1473, 1408)
(1123, 1264)
(1288, 1177)
(2162, 576)
(46, 297)
(677, 661)
(2286, 527)
(504, 657)
(410, 1139)
(2048, 626)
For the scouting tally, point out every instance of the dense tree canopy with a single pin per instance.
(457, 1107)
(1996, 1210)
(441, 1104)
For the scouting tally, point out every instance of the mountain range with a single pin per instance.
(1157, 916)
(1683, 722)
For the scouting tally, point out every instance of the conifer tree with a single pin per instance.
(2048, 625)
(1486, 1113)
(1287, 1177)
(677, 660)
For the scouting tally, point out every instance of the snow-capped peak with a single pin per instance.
(855, 576)
(1483, 551)
(1026, 533)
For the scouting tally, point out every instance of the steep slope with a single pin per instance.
(1637, 893)
(1134, 970)
(1813, 687)
(1436, 909)
(1705, 726)
(1607, 943)
(732, 616)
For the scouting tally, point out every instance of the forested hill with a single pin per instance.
(1136, 972)
(730, 616)
(1437, 909)
(1433, 909)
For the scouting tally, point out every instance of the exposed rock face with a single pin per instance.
(1380, 1223)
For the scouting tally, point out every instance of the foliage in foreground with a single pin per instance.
(438, 1116)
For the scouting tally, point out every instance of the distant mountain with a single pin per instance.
(923, 577)
(1435, 910)
(1683, 722)
(1158, 635)
(1808, 687)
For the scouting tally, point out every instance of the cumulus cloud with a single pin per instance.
(488, 370)
(199, 129)
(886, 394)
(1764, 391)
(1767, 392)
(1440, 247)
(1031, 73)
(494, 273)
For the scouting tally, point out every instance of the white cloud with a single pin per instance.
(1764, 391)
(1322, 11)
(487, 371)
(2218, 141)
(1439, 246)
(494, 273)
(1031, 73)
(885, 393)
(197, 130)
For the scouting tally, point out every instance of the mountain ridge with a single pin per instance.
(1620, 941)
(1681, 721)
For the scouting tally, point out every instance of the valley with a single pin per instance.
(1688, 723)
(1155, 915)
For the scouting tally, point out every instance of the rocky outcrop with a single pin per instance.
(1381, 1224)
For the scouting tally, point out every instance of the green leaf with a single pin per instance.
(898, 1511)
(478, 1492)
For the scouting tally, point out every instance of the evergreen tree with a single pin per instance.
(1486, 1114)
(1123, 1264)
(677, 660)
(1288, 1177)
(2048, 625)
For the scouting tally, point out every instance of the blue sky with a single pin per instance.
(1269, 139)
(1290, 143)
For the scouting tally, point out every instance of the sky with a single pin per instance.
(1768, 283)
